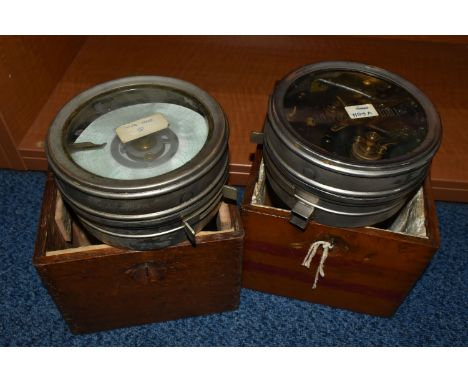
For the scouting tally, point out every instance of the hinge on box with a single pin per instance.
(301, 213)
(230, 192)
(190, 232)
(256, 137)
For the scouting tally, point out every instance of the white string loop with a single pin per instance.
(310, 255)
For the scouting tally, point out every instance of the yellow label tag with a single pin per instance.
(141, 127)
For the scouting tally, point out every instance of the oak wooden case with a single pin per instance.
(368, 270)
(98, 287)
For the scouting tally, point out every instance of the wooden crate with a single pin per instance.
(98, 287)
(368, 270)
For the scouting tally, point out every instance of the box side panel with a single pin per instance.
(363, 272)
(48, 235)
(432, 223)
(135, 288)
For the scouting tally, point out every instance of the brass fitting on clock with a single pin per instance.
(368, 147)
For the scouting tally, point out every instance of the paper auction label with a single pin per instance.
(361, 111)
(141, 127)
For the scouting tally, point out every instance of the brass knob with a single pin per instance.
(368, 147)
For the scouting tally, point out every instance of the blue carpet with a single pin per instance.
(434, 314)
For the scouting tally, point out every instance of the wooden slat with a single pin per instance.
(35, 163)
(4, 160)
(10, 157)
(67, 251)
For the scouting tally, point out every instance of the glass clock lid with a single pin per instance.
(354, 116)
(136, 133)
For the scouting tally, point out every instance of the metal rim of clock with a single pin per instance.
(423, 153)
(153, 218)
(335, 192)
(62, 164)
(152, 212)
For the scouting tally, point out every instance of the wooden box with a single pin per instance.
(368, 270)
(98, 287)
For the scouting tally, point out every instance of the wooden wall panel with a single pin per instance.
(30, 68)
(10, 157)
(240, 72)
(4, 161)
